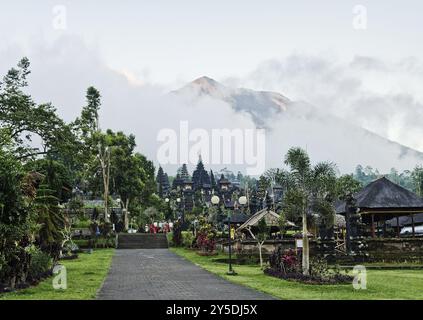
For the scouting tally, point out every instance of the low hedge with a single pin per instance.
(187, 239)
(95, 243)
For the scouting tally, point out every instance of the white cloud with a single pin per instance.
(62, 70)
(383, 97)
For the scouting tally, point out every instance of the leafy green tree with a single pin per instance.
(55, 189)
(22, 119)
(345, 185)
(92, 145)
(148, 196)
(127, 170)
(51, 220)
(57, 175)
(417, 176)
(312, 191)
(97, 147)
(17, 192)
(88, 122)
(282, 223)
(152, 214)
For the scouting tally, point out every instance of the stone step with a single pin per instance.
(142, 241)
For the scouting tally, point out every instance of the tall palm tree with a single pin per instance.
(309, 192)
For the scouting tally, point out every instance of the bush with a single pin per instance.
(286, 265)
(98, 242)
(82, 224)
(187, 239)
(170, 241)
(76, 206)
(82, 243)
(70, 247)
(206, 238)
(285, 261)
(106, 229)
(134, 225)
(41, 264)
(105, 243)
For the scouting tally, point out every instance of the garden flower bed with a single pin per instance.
(207, 253)
(312, 279)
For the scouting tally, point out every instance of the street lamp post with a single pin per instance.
(230, 271)
(169, 210)
(178, 201)
(216, 200)
(195, 222)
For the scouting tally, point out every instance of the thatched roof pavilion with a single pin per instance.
(381, 200)
(271, 218)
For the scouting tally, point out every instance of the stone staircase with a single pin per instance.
(142, 241)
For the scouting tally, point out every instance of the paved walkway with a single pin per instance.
(158, 274)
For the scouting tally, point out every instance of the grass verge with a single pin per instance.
(85, 276)
(381, 284)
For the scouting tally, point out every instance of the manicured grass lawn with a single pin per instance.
(85, 276)
(381, 284)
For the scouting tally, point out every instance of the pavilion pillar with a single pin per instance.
(398, 228)
(412, 225)
(384, 227)
(373, 226)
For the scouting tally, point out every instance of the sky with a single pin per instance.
(360, 61)
(171, 42)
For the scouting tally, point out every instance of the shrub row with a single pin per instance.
(187, 239)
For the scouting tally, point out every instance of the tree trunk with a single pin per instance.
(126, 218)
(107, 185)
(105, 166)
(413, 226)
(261, 256)
(306, 251)
(105, 193)
(13, 282)
(106, 210)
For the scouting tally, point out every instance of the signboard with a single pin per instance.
(299, 243)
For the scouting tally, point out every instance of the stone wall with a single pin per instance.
(249, 247)
(377, 250)
(395, 249)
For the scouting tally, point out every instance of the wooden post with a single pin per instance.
(373, 226)
(398, 228)
(412, 225)
(384, 227)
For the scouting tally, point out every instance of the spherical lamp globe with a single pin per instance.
(215, 200)
(242, 200)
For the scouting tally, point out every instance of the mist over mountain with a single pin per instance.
(261, 105)
(298, 123)
(64, 69)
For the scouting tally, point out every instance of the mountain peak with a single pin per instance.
(208, 86)
(260, 104)
(205, 80)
